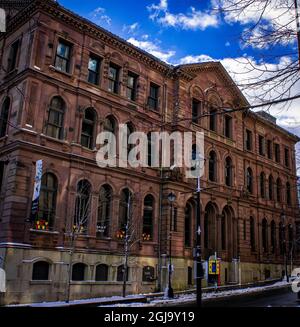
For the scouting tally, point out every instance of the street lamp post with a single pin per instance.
(171, 198)
(198, 247)
(285, 257)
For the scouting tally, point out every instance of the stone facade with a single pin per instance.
(249, 251)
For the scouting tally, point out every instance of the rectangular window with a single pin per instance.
(195, 110)
(94, 70)
(228, 126)
(261, 145)
(286, 157)
(62, 58)
(269, 149)
(153, 96)
(13, 55)
(113, 78)
(131, 86)
(277, 152)
(248, 140)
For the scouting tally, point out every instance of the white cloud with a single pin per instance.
(193, 20)
(163, 5)
(98, 16)
(131, 28)
(195, 59)
(152, 48)
(246, 70)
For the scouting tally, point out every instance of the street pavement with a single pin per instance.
(277, 298)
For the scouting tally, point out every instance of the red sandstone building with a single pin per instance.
(63, 80)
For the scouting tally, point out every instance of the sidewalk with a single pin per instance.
(157, 299)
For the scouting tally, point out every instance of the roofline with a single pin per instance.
(279, 128)
(169, 68)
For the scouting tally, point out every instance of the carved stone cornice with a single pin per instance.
(81, 24)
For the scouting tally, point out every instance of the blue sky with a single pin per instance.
(218, 39)
(185, 31)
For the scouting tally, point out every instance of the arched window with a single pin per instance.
(228, 171)
(54, 124)
(281, 232)
(87, 129)
(174, 221)
(47, 202)
(82, 206)
(148, 218)
(252, 233)
(264, 232)
(4, 116)
(120, 273)
(213, 119)
(210, 227)
(262, 178)
(101, 273)
(78, 271)
(187, 225)
(271, 182)
(288, 193)
(104, 210)
(273, 236)
(212, 168)
(278, 190)
(130, 130)
(249, 180)
(125, 208)
(40, 270)
(109, 124)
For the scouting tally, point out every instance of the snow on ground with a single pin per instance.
(188, 298)
(84, 301)
(183, 298)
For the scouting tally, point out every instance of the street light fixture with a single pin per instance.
(171, 198)
(285, 263)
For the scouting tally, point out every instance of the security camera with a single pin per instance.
(173, 167)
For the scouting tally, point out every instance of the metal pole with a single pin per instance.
(198, 248)
(126, 247)
(285, 255)
(170, 289)
(70, 268)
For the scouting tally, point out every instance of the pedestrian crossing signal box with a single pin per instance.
(214, 267)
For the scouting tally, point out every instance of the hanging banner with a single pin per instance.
(2, 281)
(37, 189)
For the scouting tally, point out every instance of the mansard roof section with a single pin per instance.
(194, 68)
(82, 24)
